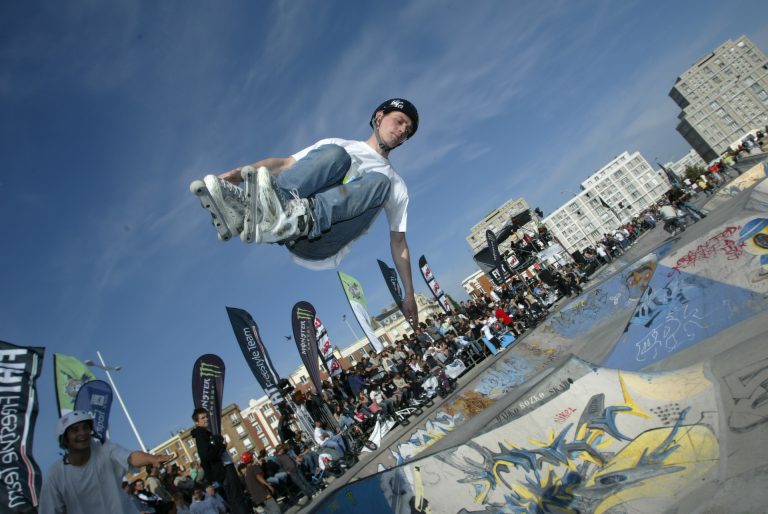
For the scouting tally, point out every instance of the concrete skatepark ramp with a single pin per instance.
(606, 438)
(599, 315)
(673, 417)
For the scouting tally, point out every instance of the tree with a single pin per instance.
(692, 173)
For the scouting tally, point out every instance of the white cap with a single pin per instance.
(69, 419)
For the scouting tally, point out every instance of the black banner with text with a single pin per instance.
(303, 322)
(255, 353)
(20, 478)
(208, 388)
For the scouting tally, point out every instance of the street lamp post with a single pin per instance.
(345, 320)
(107, 369)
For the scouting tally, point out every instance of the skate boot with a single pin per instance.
(276, 219)
(225, 201)
(252, 208)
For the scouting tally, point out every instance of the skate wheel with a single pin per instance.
(418, 412)
(404, 422)
(197, 187)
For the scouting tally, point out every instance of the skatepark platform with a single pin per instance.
(646, 394)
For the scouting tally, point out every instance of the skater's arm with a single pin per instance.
(402, 257)
(275, 165)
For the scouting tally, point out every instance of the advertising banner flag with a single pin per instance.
(502, 267)
(208, 388)
(69, 375)
(673, 179)
(354, 292)
(433, 286)
(303, 323)
(325, 348)
(255, 353)
(21, 479)
(96, 397)
(393, 283)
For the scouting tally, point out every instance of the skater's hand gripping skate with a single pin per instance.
(232, 176)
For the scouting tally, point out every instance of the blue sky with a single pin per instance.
(109, 110)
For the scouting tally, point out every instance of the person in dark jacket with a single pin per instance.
(216, 462)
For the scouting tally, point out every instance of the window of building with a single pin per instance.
(240, 430)
(272, 419)
(258, 428)
(248, 443)
(266, 409)
(191, 443)
(252, 417)
(233, 452)
(303, 379)
(234, 418)
(226, 438)
(186, 459)
(264, 440)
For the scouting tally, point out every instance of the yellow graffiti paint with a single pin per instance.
(697, 453)
(635, 409)
(668, 387)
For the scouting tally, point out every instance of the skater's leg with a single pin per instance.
(320, 169)
(341, 214)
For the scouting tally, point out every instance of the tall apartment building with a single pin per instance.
(627, 185)
(723, 96)
(495, 220)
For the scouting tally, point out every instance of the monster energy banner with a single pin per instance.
(303, 322)
(96, 397)
(502, 268)
(208, 388)
(433, 286)
(356, 297)
(325, 348)
(255, 353)
(20, 478)
(390, 277)
(69, 375)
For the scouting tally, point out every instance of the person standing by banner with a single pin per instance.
(89, 477)
(216, 462)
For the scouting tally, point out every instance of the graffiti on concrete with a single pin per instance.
(749, 389)
(503, 377)
(434, 430)
(494, 384)
(725, 242)
(592, 465)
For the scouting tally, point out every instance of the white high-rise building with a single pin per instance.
(610, 197)
(691, 159)
(723, 96)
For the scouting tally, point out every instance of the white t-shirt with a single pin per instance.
(364, 160)
(668, 212)
(94, 487)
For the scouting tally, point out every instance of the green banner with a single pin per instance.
(354, 292)
(69, 374)
(352, 288)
